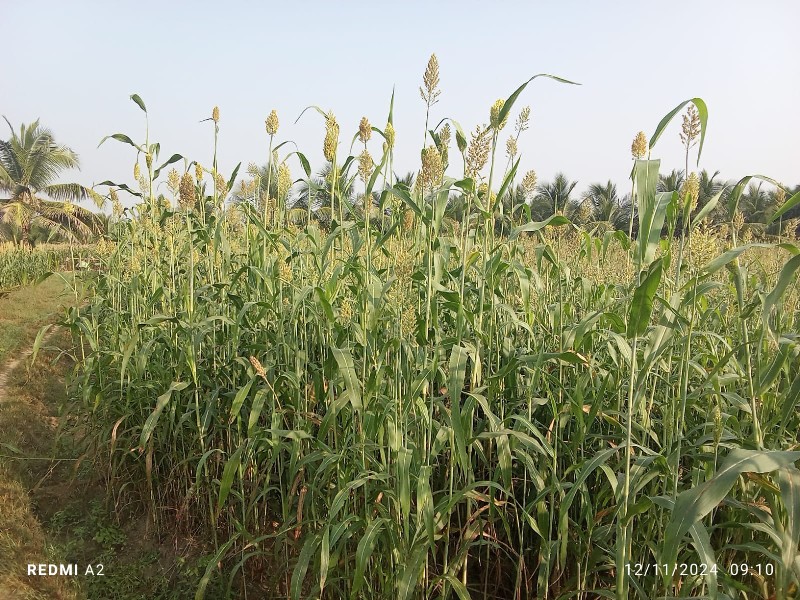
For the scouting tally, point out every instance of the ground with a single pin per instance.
(53, 502)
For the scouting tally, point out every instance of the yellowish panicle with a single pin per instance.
(365, 165)
(690, 129)
(690, 191)
(494, 115)
(511, 147)
(478, 150)
(639, 145)
(258, 367)
(389, 134)
(272, 123)
(364, 130)
(523, 120)
(284, 180)
(529, 183)
(186, 192)
(331, 137)
(198, 172)
(430, 82)
(215, 114)
(137, 171)
(174, 181)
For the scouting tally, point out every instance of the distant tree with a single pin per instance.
(671, 182)
(553, 197)
(604, 203)
(30, 164)
(324, 195)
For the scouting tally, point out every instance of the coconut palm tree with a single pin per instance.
(756, 204)
(30, 163)
(322, 196)
(552, 197)
(604, 203)
(671, 182)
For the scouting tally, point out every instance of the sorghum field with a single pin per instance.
(429, 394)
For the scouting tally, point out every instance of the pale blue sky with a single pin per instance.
(75, 64)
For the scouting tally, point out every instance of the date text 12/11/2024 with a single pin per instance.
(692, 569)
(65, 570)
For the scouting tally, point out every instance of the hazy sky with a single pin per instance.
(75, 64)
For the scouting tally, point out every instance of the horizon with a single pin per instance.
(741, 140)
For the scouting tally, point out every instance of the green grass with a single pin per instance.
(24, 311)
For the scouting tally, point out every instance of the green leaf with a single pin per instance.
(506, 183)
(707, 208)
(695, 503)
(121, 137)
(784, 279)
(702, 544)
(301, 568)
(553, 221)
(787, 206)
(37, 344)
(364, 550)
(789, 482)
(642, 303)
(651, 208)
(172, 159)
(347, 368)
(457, 374)
(232, 178)
(238, 401)
(227, 477)
(255, 411)
(212, 564)
(738, 189)
(702, 112)
(152, 420)
(729, 256)
(136, 98)
(509, 103)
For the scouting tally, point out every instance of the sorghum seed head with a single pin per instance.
(258, 367)
(639, 145)
(148, 158)
(364, 130)
(478, 151)
(780, 196)
(365, 164)
(511, 147)
(529, 182)
(389, 134)
(494, 115)
(523, 120)
(186, 193)
(331, 137)
(430, 92)
(136, 171)
(690, 191)
(284, 180)
(738, 220)
(221, 186)
(174, 180)
(198, 172)
(432, 168)
(215, 114)
(272, 123)
(691, 126)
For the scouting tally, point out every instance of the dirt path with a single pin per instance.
(11, 365)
